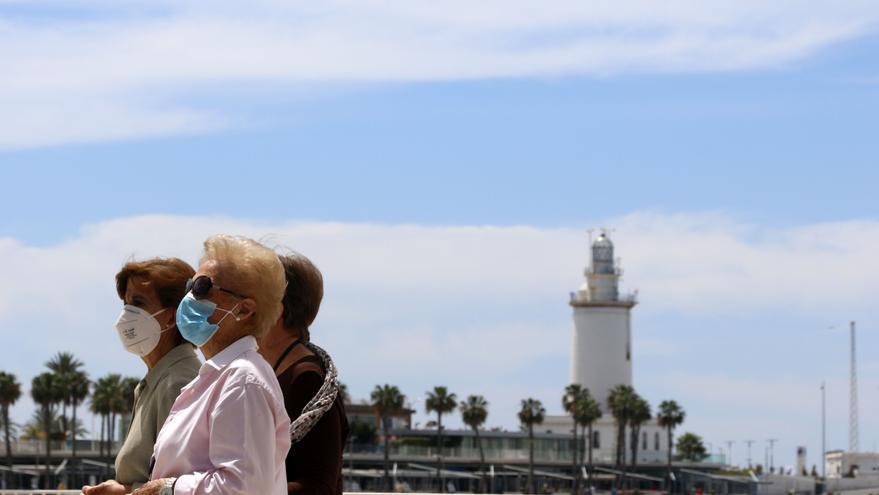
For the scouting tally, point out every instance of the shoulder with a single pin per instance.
(179, 374)
(252, 371)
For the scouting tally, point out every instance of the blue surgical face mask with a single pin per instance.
(192, 319)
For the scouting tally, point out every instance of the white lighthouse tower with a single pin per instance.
(602, 345)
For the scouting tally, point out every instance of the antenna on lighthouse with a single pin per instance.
(853, 396)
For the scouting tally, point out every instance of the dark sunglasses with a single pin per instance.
(201, 286)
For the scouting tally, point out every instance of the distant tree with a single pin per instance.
(108, 401)
(439, 400)
(362, 432)
(532, 413)
(670, 416)
(387, 399)
(588, 412)
(570, 401)
(621, 401)
(474, 412)
(65, 366)
(127, 387)
(10, 392)
(758, 470)
(640, 414)
(343, 393)
(78, 387)
(691, 448)
(814, 471)
(47, 393)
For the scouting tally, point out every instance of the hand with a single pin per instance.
(150, 488)
(109, 487)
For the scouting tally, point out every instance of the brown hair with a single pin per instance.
(305, 290)
(168, 277)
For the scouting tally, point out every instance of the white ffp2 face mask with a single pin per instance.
(138, 330)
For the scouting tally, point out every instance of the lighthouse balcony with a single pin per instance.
(585, 298)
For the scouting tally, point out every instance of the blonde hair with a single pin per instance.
(255, 271)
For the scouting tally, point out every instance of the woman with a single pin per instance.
(228, 431)
(151, 291)
(308, 380)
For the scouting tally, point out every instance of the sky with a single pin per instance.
(442, 163)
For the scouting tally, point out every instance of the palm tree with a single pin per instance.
(10, 392)
(640, 415)
(127, 389)
(620, 402)
(474, 411)
(570, 403)
(78, 391)
(118, 405)
(441, 402)
(108, 401)
(670, 416)
(532, 413)
(64, 365)
(47, 392)
(387, 399)
(588, 412)
(100, 407)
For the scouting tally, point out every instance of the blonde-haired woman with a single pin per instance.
(228, 431)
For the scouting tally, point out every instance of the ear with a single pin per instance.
(170, 315)
(246, 309)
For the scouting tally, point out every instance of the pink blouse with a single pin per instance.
(228, 431)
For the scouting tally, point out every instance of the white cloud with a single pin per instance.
(483, 309)
(125, 71)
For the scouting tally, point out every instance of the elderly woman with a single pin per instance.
(228, 432)
(308, 379)
(151, 291)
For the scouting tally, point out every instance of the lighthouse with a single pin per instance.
(602, 340)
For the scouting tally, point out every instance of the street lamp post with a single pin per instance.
(823, 431)
(772, 452)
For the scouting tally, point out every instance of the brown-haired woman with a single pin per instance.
(305, 372)
(150, 291)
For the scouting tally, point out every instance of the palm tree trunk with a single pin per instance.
(591, 437)
(669, 459)
(483, 482)
(575, 486)
(47, 429)
(439, 468)
(636, 431)
(64, 424)
(388, 486)
(621, 451)
(531, 458)
(73, 429)
(111, 435)
(101, 442)
(8, 444)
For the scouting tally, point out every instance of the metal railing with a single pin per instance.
(60, 448)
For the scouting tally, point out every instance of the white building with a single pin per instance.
(839, 464)
(601, 355)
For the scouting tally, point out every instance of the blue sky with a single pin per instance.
(734, 152)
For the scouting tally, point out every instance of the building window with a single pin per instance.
(643, 441)
(656, 441)
(596, 440)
